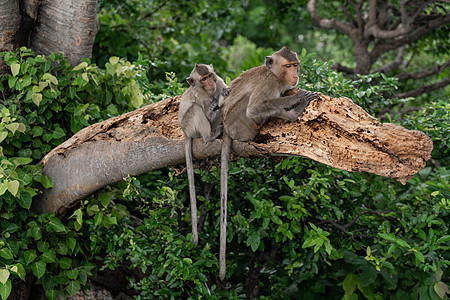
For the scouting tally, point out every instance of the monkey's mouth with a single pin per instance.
(293, 82)
(211, 90)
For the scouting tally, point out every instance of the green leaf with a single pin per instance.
(387, 236)
(98, 218)
(73, 287)
(46, 181)
(25, 200)
(20, 271)
(104, 198)
(26, 81)
(276, 220)
(3, 135)
(58, 133)
(419, 256)
(30, 256)
(5, 289)
(43, 245)
(15, 68)
(72, 274)
(4, 275)
(12, 127)
(443, 239)
(71, 243)
(187, 260)
(81, 66)
(114, 60)
(48, 256)
(12, 82)
(6, 253)
(50, 77)
(56, 224)
(137, 100)
(37, 98)
(254, 240)
(368, 276)
(71, 92)
(51, 295)
(35, 232)
(441, 289)
(349, 284)
(19, 161)
(65, 263)
(39, 268)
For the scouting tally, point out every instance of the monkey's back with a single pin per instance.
(234, 107)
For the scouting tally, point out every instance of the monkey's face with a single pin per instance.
(208, 83)
(290, 71)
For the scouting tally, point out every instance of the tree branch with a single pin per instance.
(343, 69)
(334, 131)
(424, 89)
(392, 64)
(422, 74)
(335, 24)
(383, 46)
(351, 234)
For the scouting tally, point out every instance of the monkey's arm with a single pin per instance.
(265, 105)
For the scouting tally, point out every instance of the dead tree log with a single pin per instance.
(333, 131)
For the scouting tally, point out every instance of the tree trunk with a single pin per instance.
(48, 26)
(334, 131)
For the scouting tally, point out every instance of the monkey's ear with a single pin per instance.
(269, 61)
(190, 81)
(211, 66)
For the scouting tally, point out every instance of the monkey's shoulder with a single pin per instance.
(257, 77)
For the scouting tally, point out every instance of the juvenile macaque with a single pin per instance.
(254, 98)
(199, 117)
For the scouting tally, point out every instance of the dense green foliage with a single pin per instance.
(44, 101)
(296, 228)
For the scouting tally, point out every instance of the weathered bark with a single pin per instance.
(334, 131)
(9, 25)
(48, 26)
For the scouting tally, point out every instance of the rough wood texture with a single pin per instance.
(69, 26)
(334, 131)
(48, 26)
(9, 25)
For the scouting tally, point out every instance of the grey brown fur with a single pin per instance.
(255, 97)
(199, 116)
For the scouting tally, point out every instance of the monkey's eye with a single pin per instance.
(210, 75)
(288, 66)
(204, 78)
(296, 64)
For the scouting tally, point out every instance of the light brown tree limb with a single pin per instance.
(421, 74)
(335, 24)
(334, 131)
(423, 89)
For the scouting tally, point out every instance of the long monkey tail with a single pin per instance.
(226, 148)
(190, 173)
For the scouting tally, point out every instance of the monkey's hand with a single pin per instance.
(214, 104)
(215, 133)
(304, 98)
(226, 91)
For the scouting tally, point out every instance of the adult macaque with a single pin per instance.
(199, 117)
(256, 95)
